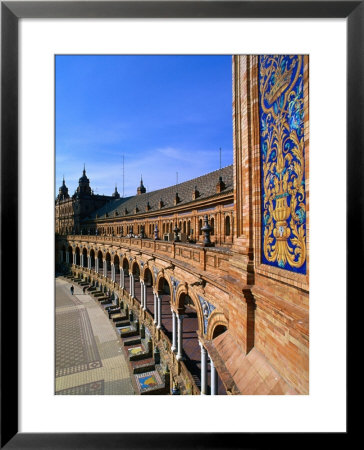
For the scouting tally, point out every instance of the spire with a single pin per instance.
(63, 191)
(116, 193)
(141, 189)
(84, 183)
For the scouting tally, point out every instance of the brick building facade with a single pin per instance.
(71, 210)
(232, 317)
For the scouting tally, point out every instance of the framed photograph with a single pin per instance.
(246, 261)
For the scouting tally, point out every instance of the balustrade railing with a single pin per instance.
(214, 259)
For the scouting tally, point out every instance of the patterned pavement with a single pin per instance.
(89, 358)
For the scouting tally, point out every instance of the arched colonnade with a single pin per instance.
(173, 304)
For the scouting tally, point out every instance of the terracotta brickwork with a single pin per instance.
(252, 318)
(280, 297)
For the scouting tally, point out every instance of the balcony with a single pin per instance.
(215, 260)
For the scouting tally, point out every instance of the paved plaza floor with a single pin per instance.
(89, 357)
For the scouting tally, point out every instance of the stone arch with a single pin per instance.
(125, 264)
(107, 258)
(92, 256)
(181, 294)
(216, 319)
(148, 279)
(125, 273)
(163, 288)
(159, 284)
(116, 261)
(219, 329)
(148, 276)
(108, 261)
(100, 257)
(84, 253)
(136, 269)
(135, 284)
(77, 252)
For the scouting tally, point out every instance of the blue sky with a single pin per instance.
(165, 114)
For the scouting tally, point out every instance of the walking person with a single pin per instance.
(72, 289)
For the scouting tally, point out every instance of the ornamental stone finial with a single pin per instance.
(156, 232)
(176, 230)
(206, 229)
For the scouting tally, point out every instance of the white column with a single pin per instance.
(159, 301)
(174, 331)
(141, 294)
(74, 258)
(180, 337)
(203, 370)
(145, 295)
(155, 308)
(112, 272)
(213, 378)
(81, 260)
(131, 276)
(97, 265)
(122, 282)
(104, 266)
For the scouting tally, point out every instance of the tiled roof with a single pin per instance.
(205, 185)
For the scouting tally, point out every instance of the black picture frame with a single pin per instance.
(11, 12)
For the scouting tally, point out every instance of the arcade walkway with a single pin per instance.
(89, 358)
